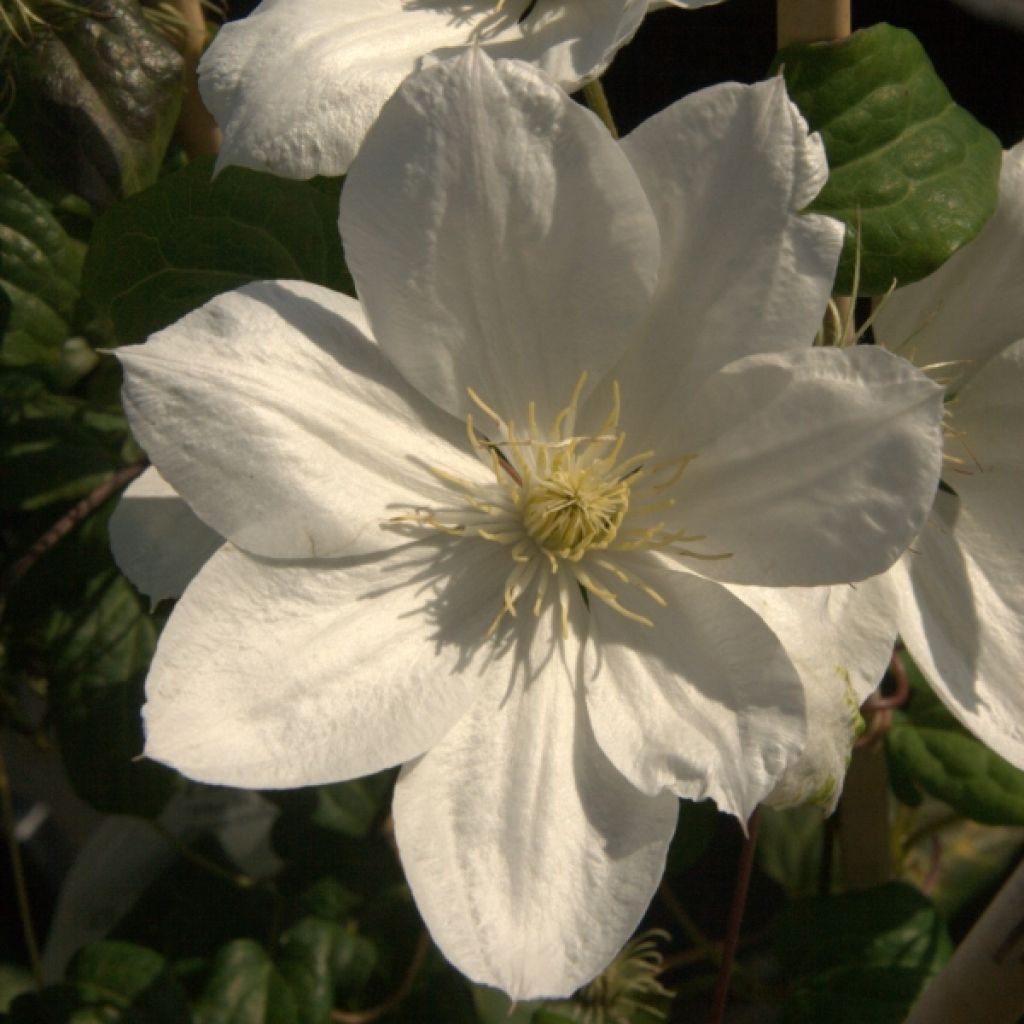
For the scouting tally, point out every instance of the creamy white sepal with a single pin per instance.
(705, 703)
(728, 170)
(492, 271)
(284, 427)
(962, 616)
(272, 675)
(840, 640)
(972, 307)
(158, 542)
(812, 467)
(296, 85)
(530, 857)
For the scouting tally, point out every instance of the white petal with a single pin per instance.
(973, 305)
(963, 581)
(354, 53)
(704, 703)
(284, 427)
(512, 246)
(158, 542)
(273, 675)
(531, 859)
(840, 639)
(728, 170)
(812, 467)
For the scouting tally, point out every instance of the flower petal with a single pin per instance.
(353, 55)
(812, 467)
(840, 640)
(531, 859)
(272, 675)
(284, 427)
(728, 170)
(972, 307)
(705, 703)
(510, 249)
(158, 542)
(963, 582)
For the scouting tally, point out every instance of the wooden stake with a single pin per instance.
(984, 980)
(811, 21)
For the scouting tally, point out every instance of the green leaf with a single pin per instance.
(789, 846)
(39, 272)
(860, 957)
(695, 829)
(96, 104)
(189, 237)
(316, 960)
(352, 808)
(100, 654)
(246, 988)
(109, 983)
(917, 171)
(53, 448)
(929, 750)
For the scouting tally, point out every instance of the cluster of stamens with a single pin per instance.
(564, 504)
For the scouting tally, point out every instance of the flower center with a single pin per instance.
(574, 510)
(566, 506)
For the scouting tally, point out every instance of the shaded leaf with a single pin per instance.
(109, 983)
(917, 171)
(97, 103)
(189, 237)
(860, 957)
(789, 847)
(100, 654)
(39, 272)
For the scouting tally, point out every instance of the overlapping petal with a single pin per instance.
(962, 615)
(531, 858)
(283, 426)
(297, 84)
(512, 269)
(704, 704)
(972, 307)
(271, 674)
(158, 542)
(728, 170)
(812, 467)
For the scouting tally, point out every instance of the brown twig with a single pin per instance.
(13, 573)
(732, 933)
(396, 997)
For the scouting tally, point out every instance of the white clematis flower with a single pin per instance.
(481, 524)
(959, 591)
(296, 85)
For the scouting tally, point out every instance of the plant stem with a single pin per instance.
(593, 93)
(17, 869)
(811, 21)
(60, 529)
(732, 933)
(198, 131)
(865, 847)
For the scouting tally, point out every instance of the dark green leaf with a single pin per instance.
(789, 847)
(859, 958)
(694, 830)
(190, 237)
(39, 271)
(109, 983)
(100, 653)
(96, 104)
(53, 448)
(351, 808)
(917, 171)
(246, 988)
(929, 750)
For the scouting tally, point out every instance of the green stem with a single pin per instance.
(593, 93)
(18, 871)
